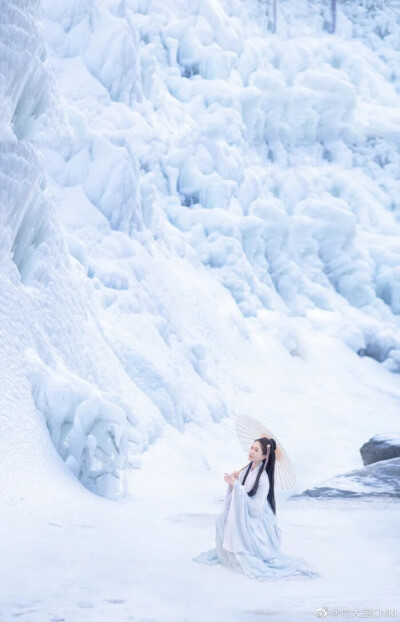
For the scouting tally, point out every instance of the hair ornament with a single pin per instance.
(268, 452)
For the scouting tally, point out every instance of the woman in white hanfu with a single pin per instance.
(248, 538)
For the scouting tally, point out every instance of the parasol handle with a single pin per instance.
(240, 470)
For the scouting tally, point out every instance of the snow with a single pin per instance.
(197, 219)
(132, 560)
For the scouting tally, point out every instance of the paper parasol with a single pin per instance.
(248, 429)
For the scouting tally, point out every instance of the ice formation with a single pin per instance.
(47, 325)
(176, 180)
(274, 158)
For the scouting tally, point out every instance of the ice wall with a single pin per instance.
(273, 157)
(196, 216)
(55, 362)
(98, 386)
(263, 168)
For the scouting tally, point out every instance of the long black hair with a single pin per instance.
(269, 467)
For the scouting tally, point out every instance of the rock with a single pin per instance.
(380, 479)
(380, 447)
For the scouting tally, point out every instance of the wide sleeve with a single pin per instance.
(257, 503)
(243, 511)
(228, 493)
(227, 500)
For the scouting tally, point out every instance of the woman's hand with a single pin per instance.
(231, 478)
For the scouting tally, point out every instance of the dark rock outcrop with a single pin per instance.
(380, 447)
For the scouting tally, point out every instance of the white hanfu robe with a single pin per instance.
(248, 538)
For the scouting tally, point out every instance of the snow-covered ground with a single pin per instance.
(97, 560)
(198, 219)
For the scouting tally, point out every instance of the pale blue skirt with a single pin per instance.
(251, 546)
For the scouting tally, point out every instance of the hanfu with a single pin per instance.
(248, 538)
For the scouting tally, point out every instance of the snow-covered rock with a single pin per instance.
(380, 479)
(380, 447)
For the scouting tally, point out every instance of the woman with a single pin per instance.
(248, 538)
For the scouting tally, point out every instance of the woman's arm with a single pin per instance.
(242, 512)
(227, 499)
(256, 503)
(231, 479)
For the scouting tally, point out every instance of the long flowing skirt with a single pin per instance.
(252, 546)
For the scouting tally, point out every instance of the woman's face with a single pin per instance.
(255, 452)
